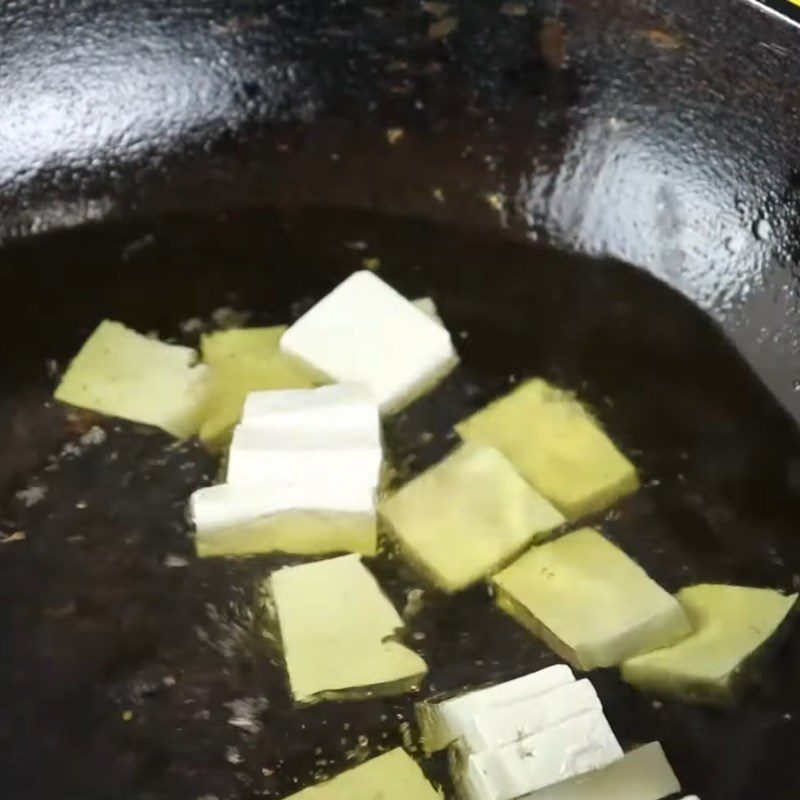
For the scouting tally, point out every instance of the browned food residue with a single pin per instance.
(663, 39)
(442, 28)
(552, 43)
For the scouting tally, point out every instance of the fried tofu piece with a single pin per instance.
(390, 776)
(466, 516)
(731, 623)
(589, 602)
(339, 632)
(123, 374)
(557, 446)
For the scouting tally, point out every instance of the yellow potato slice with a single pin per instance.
(391, 776)
(730, 624)
(556, 445)
(589, 602)
(243, 360)
(464, 517)
(124, 374)
(338, 632)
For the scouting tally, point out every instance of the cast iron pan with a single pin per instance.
(664, 133)
(129, 669)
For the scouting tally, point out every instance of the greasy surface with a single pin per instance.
(665, 132)
(128, 668)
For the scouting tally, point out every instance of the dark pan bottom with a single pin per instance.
(128, 669)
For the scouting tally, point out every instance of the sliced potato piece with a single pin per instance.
(463, 518)
(243, 360)
(642, 774)
(338, 632)
(124, 374)
(556, 445)
(730, 624)
(589, 602)
(390, 776)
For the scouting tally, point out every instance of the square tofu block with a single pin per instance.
(730, 624)
(464, 517)
(642, 774)
(501, 725)
(311, 434)
(364, 331)
(391, 776)
(441, 722)
(306, 519)
(589, 602)
(339, 633)
(123, 374)
(303, 471)
(342, 406)
(573, 747)
(557, 446)
(253, 461)
(243, 360)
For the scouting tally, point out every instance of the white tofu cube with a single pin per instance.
(253, 462)
(447, 720)
(261, 407)
(303, 471)
(324, 517)
(364, 331)
(501, 725)
(642, 774)
(308, 435)
(225, 505)
(573, 747)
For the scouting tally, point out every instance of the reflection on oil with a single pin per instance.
(126, 89)
(623, 193)
(666, 137)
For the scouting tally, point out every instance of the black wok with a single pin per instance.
(158, 163)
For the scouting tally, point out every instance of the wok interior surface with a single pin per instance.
(130, 669)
